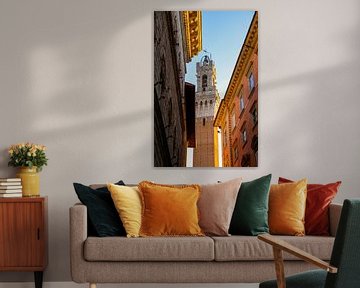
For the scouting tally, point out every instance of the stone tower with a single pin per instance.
(206, 104)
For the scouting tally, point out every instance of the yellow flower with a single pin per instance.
(28, 154)
(41, 147)
(11, 151)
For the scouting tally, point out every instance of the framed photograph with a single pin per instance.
(206, 89)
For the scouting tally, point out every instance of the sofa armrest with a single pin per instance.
(334, 216)
(78, 235)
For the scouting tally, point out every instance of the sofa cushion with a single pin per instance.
(127, 201)
(149, 249)
(318, 199)
(216, 205)
(243, 248)
(102, 216)
(250, 215)
(287, 204)
(169, 210)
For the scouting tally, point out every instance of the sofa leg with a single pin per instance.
(92, 285)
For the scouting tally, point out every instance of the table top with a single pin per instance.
(23, 199)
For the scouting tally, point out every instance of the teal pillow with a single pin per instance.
(250, 216)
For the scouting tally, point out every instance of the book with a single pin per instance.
(10, 180)
(10, 187)
(10, 191)
(10, 183)
(4, 195)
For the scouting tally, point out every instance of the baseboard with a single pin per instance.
(74, 285)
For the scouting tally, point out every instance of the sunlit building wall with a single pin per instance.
(238, 113)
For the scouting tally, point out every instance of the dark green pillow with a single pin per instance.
(250, 216)
(103, 219)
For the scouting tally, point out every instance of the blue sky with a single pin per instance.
(223, 33)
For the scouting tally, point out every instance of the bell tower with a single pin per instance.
(206, 105)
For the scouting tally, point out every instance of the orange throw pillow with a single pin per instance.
(169, 210)
(319, 197)
(287, 204)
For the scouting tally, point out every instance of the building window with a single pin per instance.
(170, 113)
(210, 102)
(245, 161)
(236, 153)
(240, 92)
(254, 144)
(204, 82)
(233, 121)
(162, 80)
(174, 143)
(205, 102)
(242, 104)
(251, 81)
(203, 121)
(200, 103)
(254, 147)
(225, 136)
(254, 114)
(243, 135)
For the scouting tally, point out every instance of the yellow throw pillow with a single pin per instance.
(127, 201)
(169, 210)
(287, 204)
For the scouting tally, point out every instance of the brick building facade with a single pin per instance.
(237, 116)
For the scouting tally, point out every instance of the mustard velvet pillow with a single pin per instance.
(287, 204)
(169, 210)
(127, 201)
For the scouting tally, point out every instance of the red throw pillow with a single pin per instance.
(319, 197)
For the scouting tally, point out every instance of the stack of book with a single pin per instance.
(10, 187)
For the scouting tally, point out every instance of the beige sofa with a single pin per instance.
(234, 259)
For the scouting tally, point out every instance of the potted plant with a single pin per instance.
(30, 158)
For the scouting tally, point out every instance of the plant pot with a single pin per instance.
(30, 181)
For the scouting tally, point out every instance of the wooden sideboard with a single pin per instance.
(23, 235)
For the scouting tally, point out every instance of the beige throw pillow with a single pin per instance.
(216, 206)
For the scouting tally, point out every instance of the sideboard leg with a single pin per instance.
(92, 285)
(38, 279)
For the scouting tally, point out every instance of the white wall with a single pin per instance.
(77, 76)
